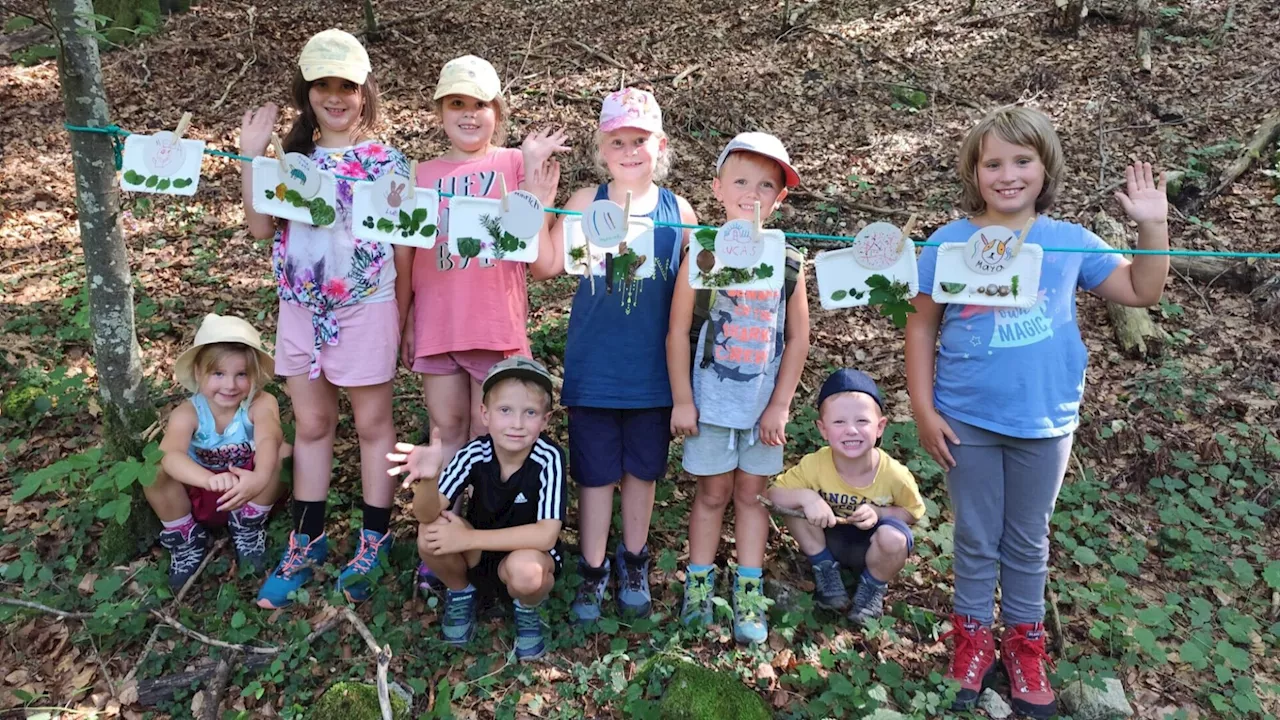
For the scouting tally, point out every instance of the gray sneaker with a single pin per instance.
(595, 581)
(249, 535)
(829, 591)
(868, 603)
(633, 582)
(186, 552)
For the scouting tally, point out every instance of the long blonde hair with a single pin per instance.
(209, 356)
(1020, 126)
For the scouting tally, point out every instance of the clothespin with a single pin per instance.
(182, 127)
(413, 173)
(755, 222)
(1022, 236)
(626, 214)
(502, 189)
(907, 229)
(279, 148)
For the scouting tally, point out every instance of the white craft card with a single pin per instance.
(315, 202)
(639, 238)
(391, 210)
(475, 225)
(878, 249)
(992, 269)
(764, 256)
(161, 163)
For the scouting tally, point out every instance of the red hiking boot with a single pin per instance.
(1022, 652)
(973, 661)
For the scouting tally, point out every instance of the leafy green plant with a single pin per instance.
(909, 99)
(891, 299)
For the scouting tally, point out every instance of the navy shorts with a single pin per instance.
(606, 443)
(849, 545)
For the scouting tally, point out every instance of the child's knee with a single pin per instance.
(715, 492)
(313, 425)
(525, 573)
(375, 428)
(891, 541)
(744, 496)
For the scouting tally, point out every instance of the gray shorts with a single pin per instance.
(716, 450)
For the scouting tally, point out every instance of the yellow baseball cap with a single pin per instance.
(334, 53)
(470, 76)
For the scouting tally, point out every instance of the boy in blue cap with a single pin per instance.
(876, 493)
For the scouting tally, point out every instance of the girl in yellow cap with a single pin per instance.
(222, 448)
(341, 304)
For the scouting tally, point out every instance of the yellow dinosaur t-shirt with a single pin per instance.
(893, 484)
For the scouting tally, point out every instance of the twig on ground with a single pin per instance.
(1001, 16)
(244, 67)
(171, 622)
(381, 654)
(63, 614)
(597, 53)
(217, 688)
(792, 512)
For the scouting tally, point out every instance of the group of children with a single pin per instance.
(718, 368)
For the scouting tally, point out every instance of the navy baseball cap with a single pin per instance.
(849, 380)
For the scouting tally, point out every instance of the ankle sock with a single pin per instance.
(252, 510)
(867, 577)
(308, 517)
(377, 519)
(468, 589)
(750, 573)
(183, 524)
(822, 557)
(701, 568)
(521, 606)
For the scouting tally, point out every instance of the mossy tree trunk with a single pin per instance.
(127, 410)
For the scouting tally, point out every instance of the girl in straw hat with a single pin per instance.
(222, 448)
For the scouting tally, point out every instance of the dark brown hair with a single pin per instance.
(1018, 126)
(302, 136)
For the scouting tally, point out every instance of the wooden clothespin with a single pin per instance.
(755, 222)
(502, 190)
(413, 173)
(279, 148)
(181, 130)
(1022, 237)
(907, 229)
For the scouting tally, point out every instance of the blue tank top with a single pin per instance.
(616, 352)
(217, 451)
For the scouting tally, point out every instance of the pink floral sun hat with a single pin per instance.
(630, 108)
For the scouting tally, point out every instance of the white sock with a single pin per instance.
(179, 523)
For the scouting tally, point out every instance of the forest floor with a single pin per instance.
(1165, 568)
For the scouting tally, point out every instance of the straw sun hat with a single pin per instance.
(220, 329)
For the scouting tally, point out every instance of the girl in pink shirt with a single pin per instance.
(469, 313)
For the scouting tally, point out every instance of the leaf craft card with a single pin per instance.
(638, 241)
(734, 257)
(161, 163)
(993, 268)
(878, 249)
(296, 191)
(477, 230)
(391, 210)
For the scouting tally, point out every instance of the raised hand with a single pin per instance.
(256, 128)
(539, 146)
(544, 181)
(417, 462)
(1145, 200)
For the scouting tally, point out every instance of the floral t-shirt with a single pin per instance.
(323, 269)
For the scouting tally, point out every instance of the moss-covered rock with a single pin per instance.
(696, 693)
(20, 403)
(355, 701)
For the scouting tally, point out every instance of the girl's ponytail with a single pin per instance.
(302, 136)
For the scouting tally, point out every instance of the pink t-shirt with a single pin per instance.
(468, 303)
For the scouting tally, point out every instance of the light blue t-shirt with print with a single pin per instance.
(1011, 371)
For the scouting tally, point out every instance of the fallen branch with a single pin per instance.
(992, 18)
(597, 53)
(244, 67)
(381, 654)
(217, 689)
(1266, 134)
(1223, 272)
(1267, 298)
(1143, 42)
(63, 614)
(792, 512)
(1134, 329)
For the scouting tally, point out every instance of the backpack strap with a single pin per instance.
(791, 274)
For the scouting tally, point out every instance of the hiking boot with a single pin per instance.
(698, 589)
(868, 603)
(973, 660)
(356, 579)
(530, 643)
(1023, 655)
(633, 582)
(294, 570)
(750, 608)
(249, 536)
(828, 588)
(459, 623)
(595, 581)
(187, 548)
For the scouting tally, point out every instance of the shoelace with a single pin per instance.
(366, 554)
(458, 610)
(1023, 649)
(699, 589)
(528, 621)
(750, 601)
(589, 590)
(829, 582)
(249, 539)
(294, 558)
(966, 655)
(185, 557)
(634, 574)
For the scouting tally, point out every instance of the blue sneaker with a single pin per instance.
(294, 570)
(595, 581)
(459, 624)
(750, 623)
(530, 644)
(828, 589)
(698, 589)
(354, 581)
(633, 582)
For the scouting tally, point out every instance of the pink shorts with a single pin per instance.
(475, 363)
(367, 350)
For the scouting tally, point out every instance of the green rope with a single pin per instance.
(120, 132)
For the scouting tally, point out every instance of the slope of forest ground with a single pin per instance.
(1165, 567)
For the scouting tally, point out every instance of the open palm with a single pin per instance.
(1145, 199)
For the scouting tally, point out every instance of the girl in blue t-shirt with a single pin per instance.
(615, 371)
(997, 403)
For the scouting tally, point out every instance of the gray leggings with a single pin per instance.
(1002, 494)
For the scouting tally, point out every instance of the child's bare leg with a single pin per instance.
(167, 497)
(888, 553)
(449, 403)
(812, 540)
(750, 519)
(451, 568)
(707, 517)
(315, 410)
(274, 489)
(528, 574)
(595, 514)
(371, 406)
(637, 511)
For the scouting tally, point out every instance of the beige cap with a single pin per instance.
(220, 329)
(470, 76)
(334, 53)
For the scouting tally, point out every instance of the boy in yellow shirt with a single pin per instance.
(852, 475)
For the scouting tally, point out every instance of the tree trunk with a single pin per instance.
(1136, 332)
(1267, 298)
(370, 23)
(126, 408)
